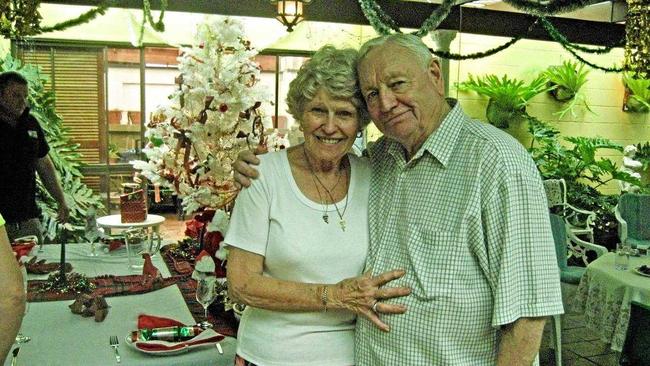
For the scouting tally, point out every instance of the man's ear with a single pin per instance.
(435, 72)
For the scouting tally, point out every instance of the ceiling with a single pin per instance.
(591, 25)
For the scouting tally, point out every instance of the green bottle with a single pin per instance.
(169, 334)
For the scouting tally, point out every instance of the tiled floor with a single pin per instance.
(580, 346)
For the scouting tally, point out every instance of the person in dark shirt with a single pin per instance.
(23, 152)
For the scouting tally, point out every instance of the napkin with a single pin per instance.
(151, 321)
(22, 249)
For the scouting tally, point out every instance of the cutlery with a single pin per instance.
(115, 343)
(14, 357)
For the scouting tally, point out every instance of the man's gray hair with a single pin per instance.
(408, 41)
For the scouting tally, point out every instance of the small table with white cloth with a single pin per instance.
(59, 337)
(115, 222)
(605, 293)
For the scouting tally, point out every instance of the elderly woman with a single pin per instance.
(298, 235)
(12, 301)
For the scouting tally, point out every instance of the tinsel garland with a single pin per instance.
(146, 16)
(560, 38)
(551, 8)
(637, 32)
(74, 282)
(556, 36)
(384, 24)
(490, 52)
(81, 19)
(158, 26)
(378, 18)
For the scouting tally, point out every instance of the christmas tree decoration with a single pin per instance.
(215, 113)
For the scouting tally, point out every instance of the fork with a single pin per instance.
(115, 343)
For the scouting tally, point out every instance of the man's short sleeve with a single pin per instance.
(522, 266)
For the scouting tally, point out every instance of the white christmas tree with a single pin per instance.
(215, 113)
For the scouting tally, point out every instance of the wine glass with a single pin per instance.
(91, 232)
(206, 293)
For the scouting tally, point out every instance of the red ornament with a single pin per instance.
(223, 107)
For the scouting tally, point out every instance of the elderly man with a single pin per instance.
(23, 151)
(460, 206)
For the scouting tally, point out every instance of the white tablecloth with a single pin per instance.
(62, 338)
(604, 296)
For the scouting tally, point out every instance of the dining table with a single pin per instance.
(59, 337)
(605, 293)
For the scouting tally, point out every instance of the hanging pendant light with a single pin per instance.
(290, 12)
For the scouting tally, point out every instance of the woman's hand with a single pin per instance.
(362, 295)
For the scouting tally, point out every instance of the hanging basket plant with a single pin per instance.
(566, 81)
(508, 98)
(637, 94)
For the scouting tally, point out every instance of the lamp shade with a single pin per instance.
(290, 12)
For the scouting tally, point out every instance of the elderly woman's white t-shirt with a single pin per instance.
(274, 219)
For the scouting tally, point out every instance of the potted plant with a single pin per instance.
(508, 98)
(637, 94)
(566, 80)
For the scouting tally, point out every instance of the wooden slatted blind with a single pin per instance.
(77, 79)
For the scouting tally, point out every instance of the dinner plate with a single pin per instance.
(164, 348)
(636, 269)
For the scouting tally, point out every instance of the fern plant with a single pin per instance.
(566, 81)
(639, 97)
(583, 171)
(643, 154)
(507, 98)
(63, 153)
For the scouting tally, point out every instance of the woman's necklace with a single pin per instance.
(315, 179)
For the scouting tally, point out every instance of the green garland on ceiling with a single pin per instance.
(384, 24)
(560, 38)
(81, 19)
(490, 52)
(551, 8)
(158, 26)
(571, 47)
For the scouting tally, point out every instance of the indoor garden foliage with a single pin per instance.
(215, 113)
(507, 97)
(567, 81)
(583, 172)
(63, 153)
(638, 94)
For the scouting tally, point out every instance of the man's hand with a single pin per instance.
(243, 169)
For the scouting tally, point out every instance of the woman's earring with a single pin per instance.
(359, 134)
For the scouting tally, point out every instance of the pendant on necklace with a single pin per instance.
(342, 223)
(326, 218)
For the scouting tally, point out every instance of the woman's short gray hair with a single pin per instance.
(408, 41)
(335, 71)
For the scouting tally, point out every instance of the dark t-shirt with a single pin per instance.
(20, 147)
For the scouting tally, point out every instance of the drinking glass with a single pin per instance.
(622, 259)
(206, 293)
(91, 234)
